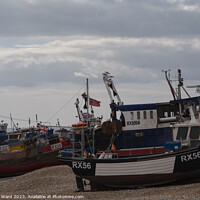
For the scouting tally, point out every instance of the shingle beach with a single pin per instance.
(58, 182)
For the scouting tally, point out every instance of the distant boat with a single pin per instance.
(17, 140)
(3, 127)
(38, 153)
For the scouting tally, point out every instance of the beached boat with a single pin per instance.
(39, 153)
(142, 129)
(108, 170)
(82, 133)
(20, 138)
(145, 128)
(3, 127)
(135, 171)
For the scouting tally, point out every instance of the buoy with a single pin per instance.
(113, 147)
(79, 125)
(85, 153)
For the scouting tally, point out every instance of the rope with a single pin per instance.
(48, 121)
(23, 120)
(65, 104)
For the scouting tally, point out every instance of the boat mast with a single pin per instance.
(86, 97)
(12, 122)
(80, 116)
(167, 75)
(87, 90)
(180, 84)
(180, 79)
(107, 78)
(176, 95)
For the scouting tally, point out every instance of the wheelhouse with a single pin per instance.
(187, 134)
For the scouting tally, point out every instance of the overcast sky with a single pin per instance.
(48, 49)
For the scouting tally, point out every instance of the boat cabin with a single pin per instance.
(187, 134)
(148, 125)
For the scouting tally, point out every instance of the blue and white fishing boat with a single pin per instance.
(149, 126)
(171, 129)
(143, 129)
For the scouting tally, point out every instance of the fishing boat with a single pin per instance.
(130, 142)
(3, 127)
(141, 129)
(17, 140)
(39, 152)
(145, 128)
(82, 133)
(109, 171)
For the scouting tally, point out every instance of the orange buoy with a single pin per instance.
(113, 147)
(80, 123)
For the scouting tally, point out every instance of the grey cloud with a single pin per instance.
(58, 43)
(36, 75)
(126, 18)
(136, 60)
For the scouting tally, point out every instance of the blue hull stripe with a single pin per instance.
(146, 138)
(137, 107)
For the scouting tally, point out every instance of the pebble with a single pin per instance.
(58, 182)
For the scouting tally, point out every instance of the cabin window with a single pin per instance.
(122, 119)
(54, 141)
(182, 133)
(164, 110)
(138, 115)
(132, 115)
(14, 137)
(151, 114)
(145, 114)
(194, 133)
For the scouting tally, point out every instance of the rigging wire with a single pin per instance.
(48, 121)
(65, 104)
(17, 119)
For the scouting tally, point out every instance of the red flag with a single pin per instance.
(94, 102)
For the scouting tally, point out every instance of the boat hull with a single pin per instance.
(139, 180)
(20, 162)
(138, 171)
(24, 165)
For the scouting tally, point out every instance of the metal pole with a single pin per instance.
(87, 102)
(82, 142)
(73, 144)
(93, 132)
